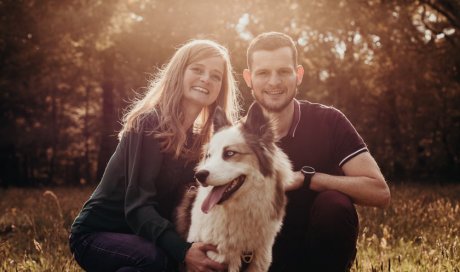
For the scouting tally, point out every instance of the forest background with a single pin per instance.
(69, 68)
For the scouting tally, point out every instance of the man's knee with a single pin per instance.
(333, 232)
(332, 209)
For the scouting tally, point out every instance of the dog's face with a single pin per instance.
(235, 156)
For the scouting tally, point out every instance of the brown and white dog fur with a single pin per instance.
(239, 204)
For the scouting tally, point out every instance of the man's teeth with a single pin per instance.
(201, 90)
(275, 92)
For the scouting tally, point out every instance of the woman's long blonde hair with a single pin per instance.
(164, 95)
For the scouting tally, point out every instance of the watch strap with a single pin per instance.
(308, 173)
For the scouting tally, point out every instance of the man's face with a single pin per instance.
(273, 78)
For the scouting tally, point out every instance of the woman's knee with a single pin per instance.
(112, 251)
(155, 261)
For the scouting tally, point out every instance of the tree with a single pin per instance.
(71, 67)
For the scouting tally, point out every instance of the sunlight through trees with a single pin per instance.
(69, 68)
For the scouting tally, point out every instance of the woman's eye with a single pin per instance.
(216, 77)
(197, 70)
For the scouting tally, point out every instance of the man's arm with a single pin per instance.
(363, 182)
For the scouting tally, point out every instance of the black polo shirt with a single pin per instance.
(322, 137)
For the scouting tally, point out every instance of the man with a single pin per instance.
(321, 225)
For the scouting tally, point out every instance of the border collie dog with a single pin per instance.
(240, 201)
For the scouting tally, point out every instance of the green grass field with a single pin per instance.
(420, 231)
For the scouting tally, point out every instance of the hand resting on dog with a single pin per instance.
(197, 260)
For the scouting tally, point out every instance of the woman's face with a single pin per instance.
(203, 81)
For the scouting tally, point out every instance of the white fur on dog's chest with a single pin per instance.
(237, 226)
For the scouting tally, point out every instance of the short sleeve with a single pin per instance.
(347, 142)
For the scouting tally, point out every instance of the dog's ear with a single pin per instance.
(219, 119)
(259, 132)
(258, 124)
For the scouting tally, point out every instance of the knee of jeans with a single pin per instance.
(333, 208)
(157, 261)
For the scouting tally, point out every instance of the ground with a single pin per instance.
(418, 232)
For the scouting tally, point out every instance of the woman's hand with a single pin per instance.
(196, 259)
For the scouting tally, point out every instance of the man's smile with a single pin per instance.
(274, 92)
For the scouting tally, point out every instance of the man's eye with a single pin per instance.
(263, 73)
(229, 153)
(285, 72)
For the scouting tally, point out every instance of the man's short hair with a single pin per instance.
(271, 41)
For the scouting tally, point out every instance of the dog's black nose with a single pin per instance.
(201, 176)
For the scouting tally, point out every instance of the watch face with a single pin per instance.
(307, 170)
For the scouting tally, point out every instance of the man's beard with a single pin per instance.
(274, 107)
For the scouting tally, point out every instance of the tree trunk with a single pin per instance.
(55, 137)
(108, 120)
(87, 163)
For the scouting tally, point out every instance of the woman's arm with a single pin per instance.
(143, 160)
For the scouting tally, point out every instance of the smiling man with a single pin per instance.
(334, 169)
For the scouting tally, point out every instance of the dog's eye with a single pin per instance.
(229, 153)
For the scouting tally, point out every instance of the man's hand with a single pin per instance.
(196, 259)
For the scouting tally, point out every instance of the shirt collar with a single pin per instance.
(295, 119)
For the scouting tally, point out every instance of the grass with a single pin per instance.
(418, 232)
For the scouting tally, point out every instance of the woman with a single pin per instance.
(126, 223)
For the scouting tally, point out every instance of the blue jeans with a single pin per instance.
(109, 251)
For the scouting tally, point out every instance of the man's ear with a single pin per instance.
(247, 77)
(299, 73)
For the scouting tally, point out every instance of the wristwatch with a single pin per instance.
(308, 173)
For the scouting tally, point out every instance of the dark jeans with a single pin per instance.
(319, 233)
(108, 251)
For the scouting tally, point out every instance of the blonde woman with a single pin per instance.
(126, 223)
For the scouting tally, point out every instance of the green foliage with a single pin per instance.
(418, 232)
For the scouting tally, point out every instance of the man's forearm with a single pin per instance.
(362, 190)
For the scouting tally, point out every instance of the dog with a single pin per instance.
(240, 202)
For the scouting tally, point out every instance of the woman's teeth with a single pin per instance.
(201, 90)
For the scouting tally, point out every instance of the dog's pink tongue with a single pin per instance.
(213, 197)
